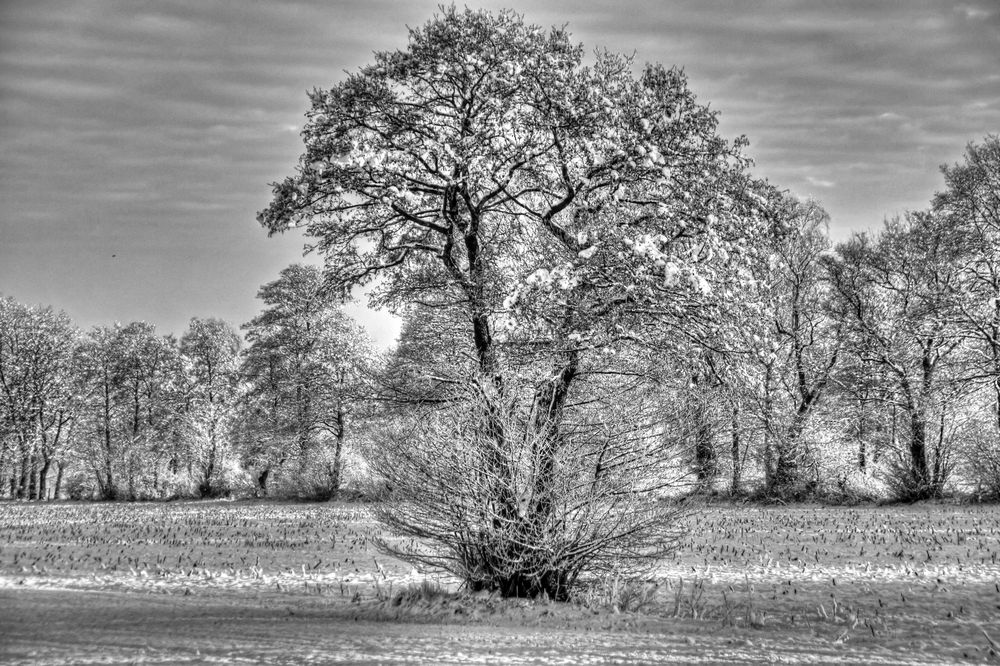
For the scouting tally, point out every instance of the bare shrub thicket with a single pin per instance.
(476, 489)
(979, 460)
(984, 468)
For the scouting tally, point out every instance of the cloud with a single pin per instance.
(818, 182)
(160, 125)
(973, 13)
(890, 116)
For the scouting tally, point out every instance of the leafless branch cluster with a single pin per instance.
(512, 512)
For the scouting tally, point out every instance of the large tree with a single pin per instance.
(560, 208)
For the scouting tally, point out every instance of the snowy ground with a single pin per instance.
(253, 582)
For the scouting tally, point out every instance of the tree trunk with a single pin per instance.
(262, 481)
(3, 468)
(996, 393)
(862, 452)
(339, 447)
(550, 401)
(499, 474)
(302, 426)
(43, 476)
(939, 457)
(60, 467)
(208, 470)
(705, 456)
(786, 473)
(108, 490)
(994, 343)
(132, 492)
(862, 457)
(996, 388)
(893, 433)
(735, 486)
(768, 453)
(917, 403)
(25, 472)
(33, 478)
(918, 455)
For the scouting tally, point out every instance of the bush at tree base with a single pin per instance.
(492, 510)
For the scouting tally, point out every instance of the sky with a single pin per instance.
(138, 138)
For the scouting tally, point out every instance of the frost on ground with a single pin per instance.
(252, 582)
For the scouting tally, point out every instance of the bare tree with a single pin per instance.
(895, 294)
(210, 348)
(563, 210)
(971, 204)
(36, 392)
(801, 341)
(303, 367)
(130, 388)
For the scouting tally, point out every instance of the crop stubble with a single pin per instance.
(286, 582)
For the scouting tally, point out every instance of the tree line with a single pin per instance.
(120, 412)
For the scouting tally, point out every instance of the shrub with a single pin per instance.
(482, 493)
(80, 486)
(983, 469)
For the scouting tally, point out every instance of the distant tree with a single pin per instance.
(97, 362)
(431, 360)
(566, 211)
(210, 348)
(131, 391)
(304, 366)
(865, 390)
(15, 372)
(895, 295)
(796, 342)
(36, 351)
(768, 353)
(151, 385)
(971, 204)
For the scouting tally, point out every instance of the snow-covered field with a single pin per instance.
(259, 582)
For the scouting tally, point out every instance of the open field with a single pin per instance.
(290, 583)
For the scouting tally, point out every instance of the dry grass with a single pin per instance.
(922, 579)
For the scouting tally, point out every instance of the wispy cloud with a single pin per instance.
(819, 182)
